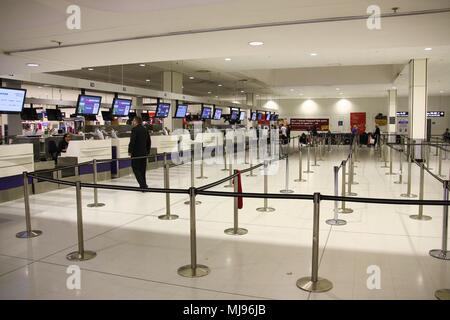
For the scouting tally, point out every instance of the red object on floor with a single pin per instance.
(240, 199)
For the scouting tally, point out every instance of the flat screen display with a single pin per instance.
(234, 115)
(107, 116)
(253, 116)
(29, 114)
(268, 116)
(275, 117)
(217, 113)
(88, 105)
(54, 115)
(242, 116)
(206, 112)
(145, 116)
(162, 110)
(181, 111)
(121, 107)
(12, 100)
(435, 114)
(260, 115)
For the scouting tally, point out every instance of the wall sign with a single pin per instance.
(358, 119)
(402, 113)
(300, 124)
(435, 114)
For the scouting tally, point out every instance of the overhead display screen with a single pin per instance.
(435, 114)
(234, 115)
(268, 116)
(88, 105)
(121, 107)
(162, 110)
(253, 116)
(260, 115)
(242, 115)
(402, 113)
(181, 111)
(217, 113)
(206, 112)
(12, 100)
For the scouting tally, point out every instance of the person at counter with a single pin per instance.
(139, 146)
(64, 143)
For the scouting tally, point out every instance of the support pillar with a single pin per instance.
(172, 82)
(392, 110)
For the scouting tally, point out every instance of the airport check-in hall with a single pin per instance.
(224, 150)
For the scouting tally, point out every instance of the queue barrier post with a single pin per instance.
(300, 165)
(201, 165)
(236, 230)
(443, 253)
(28, 233)
(408, 193)
(81, 254)
(343, 208)
(192, 176)
(168, 215)
(230, 172)
(439, 155)
(266, 207)
(421, 216)
(193, 270)
(286, 186)
(315, 154)
(400, 170)
(350, 178)
(308, 161)
(314, 283)
(390, 173)
(336, 221)
(96, 203)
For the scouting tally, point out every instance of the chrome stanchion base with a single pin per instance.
(308, 171)
(345, 211)
(189, 272)
(197, 202)
(95, 205)
(201, 177)
(350, 194)
(286, 191)
(26, 234)
(299, 180)
(440, 254)
(410, 195)
(321, 285)
(265, 209)
(77, 256)
(238, 232)
(336, 222)
(418, 217)
(443, 294)
(168, 217)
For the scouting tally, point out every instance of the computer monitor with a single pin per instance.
(131, 115)
(162, 110)
(88, 105)
(107, 115)
(253, 116)
(275, 117)
(217, 113)
(121, 107)
(242, 115)
(54, 115)
(234, 115)
(181, 111)
(268, 116)
(260, 116)
(206, 112)
(12, 100)
(29, 114)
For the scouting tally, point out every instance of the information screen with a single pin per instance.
(217, 113)
(268, 116)
(234, 115)
(121, 107)
(206, 113)
(242, 115)
(275, 117)
(181, 111)
(162, 110)
(435, 114)
(260, 115)
(253, 117)
(88, 105)
(12, 100)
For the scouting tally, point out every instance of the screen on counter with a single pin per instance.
(54, 115)
(88, 105)
(234, 115)
(242, 115)
(12, 100)
(121, 107)
(268, 116)
(217, 113)
(206, 112)
(162, 110)
(181, 111)
(260, 115)
(253, 117)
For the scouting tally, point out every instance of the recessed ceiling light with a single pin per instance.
(227, 59)
(32, 64)
(219, 85)
(428, 49)
(40, 87)
(338, 89)
(147, 80)
(292, 89)
(313, 54)
(242, 91)
(191, 77)
(90, 69)
(142, 65)
(256, 43)
(46, 85)
(209, 92)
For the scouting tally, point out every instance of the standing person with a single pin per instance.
(376, 135)
(354, 132)
(64, 143)
(446, 135)
(139, 146)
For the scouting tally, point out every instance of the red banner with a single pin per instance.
(300, 124)
(358, 119)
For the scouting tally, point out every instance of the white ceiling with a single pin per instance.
(360, 61)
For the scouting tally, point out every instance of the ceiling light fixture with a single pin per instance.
(32, 64)
(219, 85)
(242, 91)
(338, 89)
(209, 92)
(147, 80)
(428, 49)
(292, 89)
(227, 59)
(191, 77)
(256, 43)
(90, 69)
(142, 65)
(313, 54)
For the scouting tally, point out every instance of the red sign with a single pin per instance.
(358, 119)
(298, 124)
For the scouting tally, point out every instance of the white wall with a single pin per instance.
(339, 110)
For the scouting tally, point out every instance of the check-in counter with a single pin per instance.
(120, 150)
(88, 150)
(14, 160)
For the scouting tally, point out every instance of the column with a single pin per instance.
(250, 101)
(172, 82)
(392, 111)
(418, 96)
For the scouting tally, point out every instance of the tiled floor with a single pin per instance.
(138, 255)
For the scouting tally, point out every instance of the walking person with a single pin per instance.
(377, 135)
(139, 146)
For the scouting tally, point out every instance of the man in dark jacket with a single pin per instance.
(139, 146)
